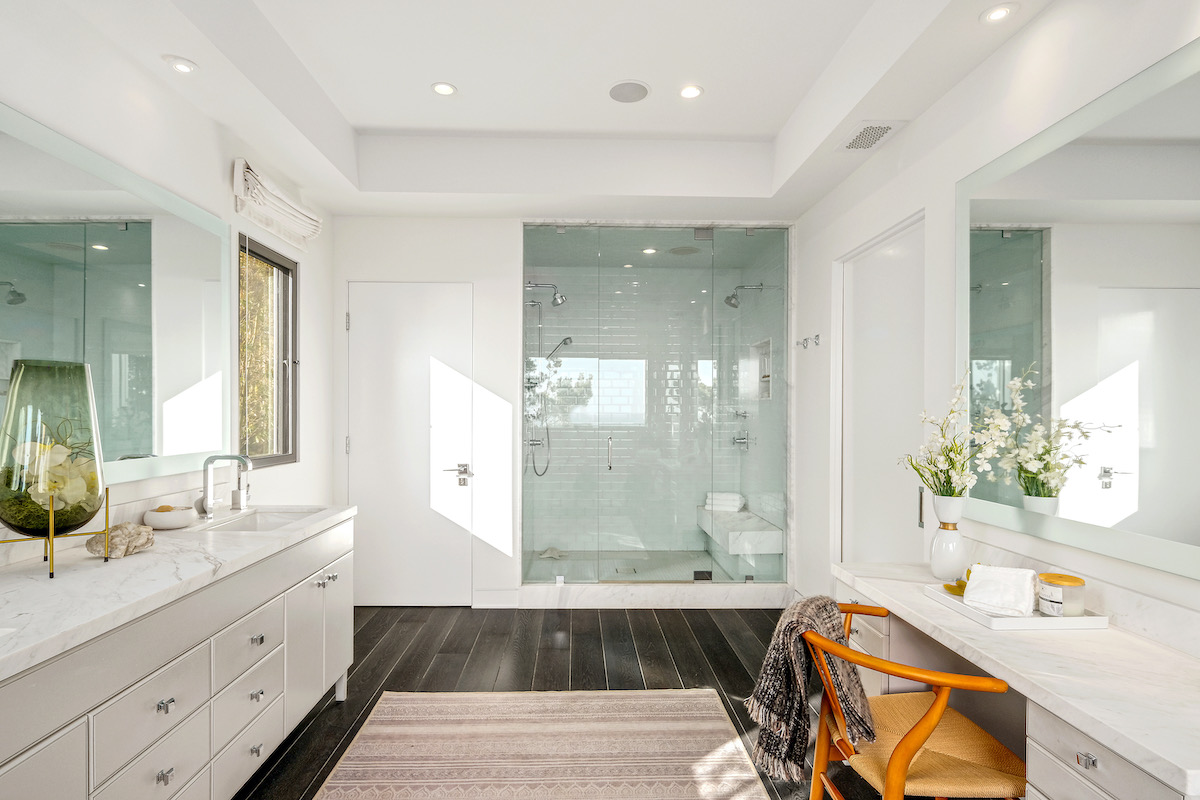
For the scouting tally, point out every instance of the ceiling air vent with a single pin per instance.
(870, 134)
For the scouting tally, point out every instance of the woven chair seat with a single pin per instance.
(960, 759)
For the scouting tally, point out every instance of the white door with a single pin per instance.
(882, 398)
(410, 426)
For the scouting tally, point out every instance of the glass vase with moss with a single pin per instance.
(49, 451)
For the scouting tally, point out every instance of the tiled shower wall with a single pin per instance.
(672, 433)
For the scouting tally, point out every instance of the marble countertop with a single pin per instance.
(1140, 698)
(42, 617)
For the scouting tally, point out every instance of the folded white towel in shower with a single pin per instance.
(715, 496)
(1003, 591)
(723, 506)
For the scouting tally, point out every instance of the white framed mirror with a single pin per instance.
(100, 265)
(1078, 253)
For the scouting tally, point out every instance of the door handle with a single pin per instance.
(464, 471)
(610, 453)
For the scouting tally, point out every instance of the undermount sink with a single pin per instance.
(264, 520)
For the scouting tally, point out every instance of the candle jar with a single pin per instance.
(1060, 595)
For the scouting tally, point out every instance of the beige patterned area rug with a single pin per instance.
(664, 744)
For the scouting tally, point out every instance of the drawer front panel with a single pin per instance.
(1109, 771)
(244, 643)
(234, 767)
(246, 697)
(1033, 794)
(129, 724)
(179, 756)
(57, 769)
(874, 683)
(199, 789)
(1054, 779)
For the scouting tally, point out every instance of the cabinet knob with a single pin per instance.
(164, 706)
(854, 631)
(164, 776)
(332, 576)
(321, 584)
(258, 639)
(256, 750)
(258, 696)
(1086, 760)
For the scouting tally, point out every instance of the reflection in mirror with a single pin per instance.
(91, 270)
(1085, 262)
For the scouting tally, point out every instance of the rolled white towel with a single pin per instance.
(1003, 591)
(723, 506)
(724, 496)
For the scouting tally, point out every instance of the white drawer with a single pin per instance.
(1033, 794)
(179, 755)
(245, 642)
(1054, 779)
(844, 594)
(874, 683)
(249, 750)
(1111, 772)
(199, 789)
(128, 724)
(246, 697)
(54, 769)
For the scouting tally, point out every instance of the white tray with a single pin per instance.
(1038, 622)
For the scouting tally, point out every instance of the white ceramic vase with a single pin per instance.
(947, 549)
(1042, 505)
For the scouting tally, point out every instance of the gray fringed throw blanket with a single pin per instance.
(778, 701)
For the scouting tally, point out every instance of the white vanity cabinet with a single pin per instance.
(1063, 763)
(188, 700)
(320, 636)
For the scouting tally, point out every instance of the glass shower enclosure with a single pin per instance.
(655, 404)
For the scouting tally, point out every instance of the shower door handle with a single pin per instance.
(610, 453)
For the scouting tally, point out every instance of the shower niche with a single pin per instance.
(648, 352)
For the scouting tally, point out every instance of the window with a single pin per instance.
(266, 354)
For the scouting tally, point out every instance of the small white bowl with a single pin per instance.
(177, 517)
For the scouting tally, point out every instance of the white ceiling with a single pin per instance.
(335, 96)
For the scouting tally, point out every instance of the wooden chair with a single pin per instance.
(922, 747)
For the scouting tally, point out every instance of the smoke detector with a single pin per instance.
(869, 134)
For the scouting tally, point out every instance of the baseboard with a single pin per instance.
(660, 595)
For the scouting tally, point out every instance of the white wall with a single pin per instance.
(1072, 53)
(63, 74)
(485, 253)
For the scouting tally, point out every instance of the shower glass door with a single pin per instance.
(655, 341)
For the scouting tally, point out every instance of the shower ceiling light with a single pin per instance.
(99, 247)
(180, 64)
(691, 92)
(629, 266)
(649, 251)
(998, 13)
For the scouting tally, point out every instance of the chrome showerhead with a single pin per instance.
(733, 301)
(15, 298)
(558, 299)
(564, 342)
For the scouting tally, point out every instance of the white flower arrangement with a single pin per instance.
(944, 462)
(1040, 455)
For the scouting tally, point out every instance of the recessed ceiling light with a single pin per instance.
(704, 291)
(693, 301)
(141, 286)
(1004, 284)
(998, 13)
(444, 89)
(629, 266)
(691, 92)
(649, 251)
(180, 64)
(99, 247)
(618, 291)
(629, 91)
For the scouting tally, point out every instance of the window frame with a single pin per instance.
(289, 405)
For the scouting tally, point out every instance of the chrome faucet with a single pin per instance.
(240, 495)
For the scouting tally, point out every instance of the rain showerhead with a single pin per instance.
(558, 299)
(14, 298)
(733, 301)
(564, 342)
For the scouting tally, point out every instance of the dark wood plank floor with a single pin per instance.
(464, 649)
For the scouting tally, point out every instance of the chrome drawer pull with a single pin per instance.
(164, 706)
(1086, 760)
(854, 632)
(332, 576)
(257, 750)
(259, 639)
(321, 583)
(257, 696)
(164, 777)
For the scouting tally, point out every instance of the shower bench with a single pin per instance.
(742, 543)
